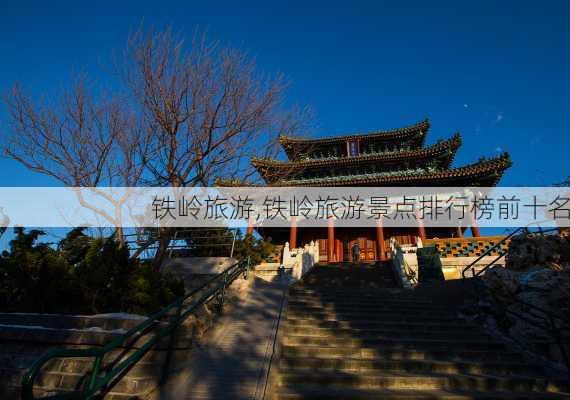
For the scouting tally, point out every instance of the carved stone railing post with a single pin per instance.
(286, 254)
(400, 264)
(302, 259)
(315, 252)
(419, 243)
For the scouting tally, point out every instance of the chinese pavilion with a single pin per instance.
(384, 158)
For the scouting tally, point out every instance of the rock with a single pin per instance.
(536, 277)
(531, 250)
(541, 280)
(559, 296)
(503, 284)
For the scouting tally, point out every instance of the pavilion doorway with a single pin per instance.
(367, 249)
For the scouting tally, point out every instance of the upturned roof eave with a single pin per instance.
(446, 148)
(420, 127)
(489, 170)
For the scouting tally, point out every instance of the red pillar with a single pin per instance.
(421, 228)
(330, 241)
(380, 244)
(475, 232)
(249, 230)
(293, 233)
(338, 250)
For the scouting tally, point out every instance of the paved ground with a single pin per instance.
(233, 361)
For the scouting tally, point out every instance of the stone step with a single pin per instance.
(10, 392)
(132, 386)
(306, 392)
(399, 381)
(356, 365)
(11, 377)
(368, 302)
(359, 286)
(373, 342)
(399, 293)
(50, 381)
(380, 324)
(17, 361)
(351, 270)
(371, 309)
(367, 275)
(392, 317)
(345, 342)
(347, 282)
(402, 353)
(359, 298)
(111, 395)
(382, 333)
(77, 365)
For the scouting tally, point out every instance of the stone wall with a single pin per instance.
(199, 265)
(536, 277)
(455, 255)
(452, 267)
(24, 337)
(468, 246)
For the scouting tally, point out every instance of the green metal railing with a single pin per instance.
(497, 247)
(100, 380)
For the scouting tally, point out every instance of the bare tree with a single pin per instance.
(208, 108)
(191, 113)
(82, 139)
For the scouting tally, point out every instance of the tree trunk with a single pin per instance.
(164, 235)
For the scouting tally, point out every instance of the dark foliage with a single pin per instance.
(257, 250)
(83, 275)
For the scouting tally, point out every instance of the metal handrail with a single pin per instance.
(97, 385)
(489, 251)
(501, 254)
(153, 238)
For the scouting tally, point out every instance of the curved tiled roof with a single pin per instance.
(420, 127)
(445, 149)
(416, 132)
(488, 172)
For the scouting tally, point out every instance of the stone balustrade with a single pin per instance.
(456, 255)
(301, 259)
(403, 258)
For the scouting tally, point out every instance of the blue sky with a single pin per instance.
(495, 71)
(498, 73)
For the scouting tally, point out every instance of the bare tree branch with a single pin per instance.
(189, 113)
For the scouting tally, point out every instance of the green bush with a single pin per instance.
(256, 249)
(82, 275)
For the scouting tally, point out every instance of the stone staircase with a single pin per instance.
(25, 337)
(350, 333)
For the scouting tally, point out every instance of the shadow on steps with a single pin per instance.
(351, 333)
